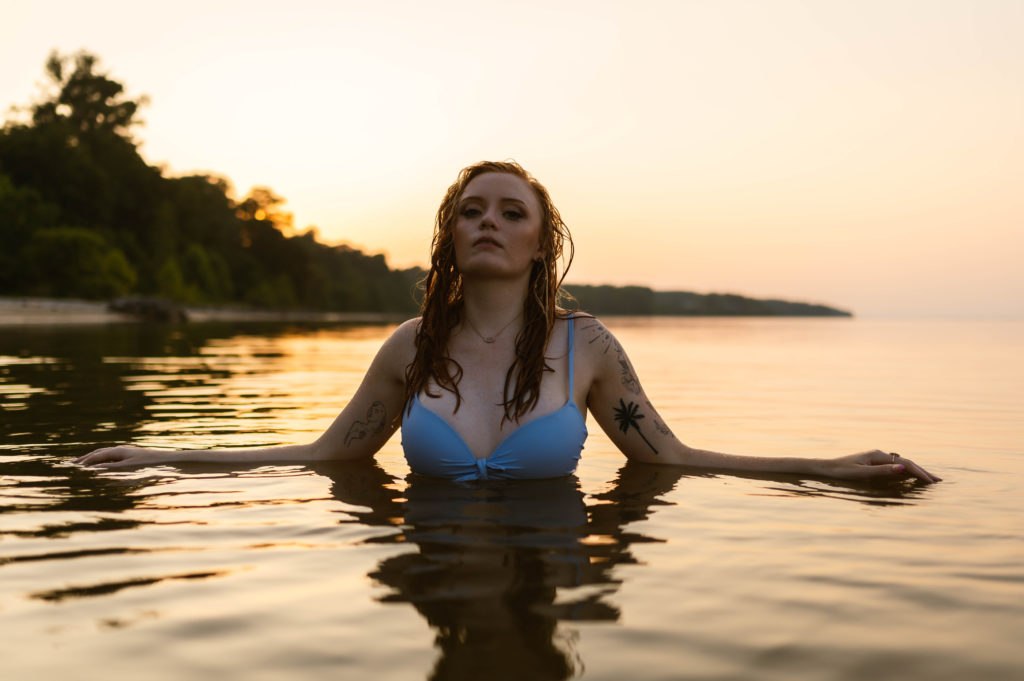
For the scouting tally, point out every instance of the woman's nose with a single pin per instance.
(487, 220)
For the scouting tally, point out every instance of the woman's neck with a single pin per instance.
(491, 306)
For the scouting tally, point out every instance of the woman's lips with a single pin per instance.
(487, 242)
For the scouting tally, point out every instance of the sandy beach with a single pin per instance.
(18, 311)
(54, 311)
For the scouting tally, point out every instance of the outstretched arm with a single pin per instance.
(617, 400)
(363, 426)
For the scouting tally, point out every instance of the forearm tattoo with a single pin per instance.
(376, 420)
(602, 335)
(658, 424)
(628, 416)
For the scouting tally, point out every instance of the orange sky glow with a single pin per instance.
(867, 155)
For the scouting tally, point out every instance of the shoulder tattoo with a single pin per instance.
(602, 336)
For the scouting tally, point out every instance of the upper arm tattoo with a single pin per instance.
(603, 336)
(376, 420)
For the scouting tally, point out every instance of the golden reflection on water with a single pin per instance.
(624, 572)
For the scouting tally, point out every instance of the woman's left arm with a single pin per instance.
(617, 400)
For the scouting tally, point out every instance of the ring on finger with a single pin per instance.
(894, 456)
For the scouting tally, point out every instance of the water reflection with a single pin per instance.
(125, 382)
(55, 386)
(108, 588)
(499, 571)
(498, 565)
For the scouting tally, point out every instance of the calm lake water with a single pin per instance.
(621, 572)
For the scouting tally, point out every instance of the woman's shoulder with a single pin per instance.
(592, 340)
(408, 327)
(402, 341)
(397, 351)
(588, 331)
(581, 321)
(578, 316)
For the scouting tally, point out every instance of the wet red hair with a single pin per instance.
(442, 307)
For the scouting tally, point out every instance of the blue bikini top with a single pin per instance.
(546, 447)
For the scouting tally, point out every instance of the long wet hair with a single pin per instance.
(442, 306)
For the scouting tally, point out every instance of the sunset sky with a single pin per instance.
(868, 155)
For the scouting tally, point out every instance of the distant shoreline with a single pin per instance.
(29, 311)
(35, 311)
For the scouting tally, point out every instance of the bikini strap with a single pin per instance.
(572, 397)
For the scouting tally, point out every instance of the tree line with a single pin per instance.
(83, 215)
(640, 300)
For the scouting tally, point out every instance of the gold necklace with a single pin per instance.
(491, 339)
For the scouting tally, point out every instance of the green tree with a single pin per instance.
(169, 281)
(205, 275)
(78, 154)
(76, 262)
(73, 161)
(86, 101)
(22, 212)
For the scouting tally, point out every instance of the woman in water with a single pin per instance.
(494, 380)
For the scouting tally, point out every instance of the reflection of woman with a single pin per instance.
(499, 564)
(494, 380)
(490, 558)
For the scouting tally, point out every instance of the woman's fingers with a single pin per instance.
(107, 457)
(876, 464)
(918, 472)
(873, 471)
(891, 463)
(910, 468)
(86, 458)
(94, 456)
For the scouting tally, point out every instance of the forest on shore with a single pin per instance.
(82, 215)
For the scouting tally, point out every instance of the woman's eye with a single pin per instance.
(513, 215)
(470, 212)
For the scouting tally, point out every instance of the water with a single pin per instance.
(623, 571)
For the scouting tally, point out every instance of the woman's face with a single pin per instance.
(497, 229)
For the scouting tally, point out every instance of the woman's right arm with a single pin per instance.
(362, 428)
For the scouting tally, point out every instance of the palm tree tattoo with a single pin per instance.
(627, 416)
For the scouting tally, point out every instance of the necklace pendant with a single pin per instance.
(490, 340)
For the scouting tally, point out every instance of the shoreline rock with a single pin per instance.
(149, 309)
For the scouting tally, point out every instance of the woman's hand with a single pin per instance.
(121, 456)
(874, 465)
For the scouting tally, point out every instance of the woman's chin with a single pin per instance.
(493, 268)
(494, 273)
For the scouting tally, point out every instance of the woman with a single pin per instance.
(494, 380)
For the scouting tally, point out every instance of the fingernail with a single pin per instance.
(898, 468)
